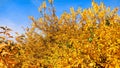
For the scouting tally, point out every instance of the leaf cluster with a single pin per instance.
(88, 38)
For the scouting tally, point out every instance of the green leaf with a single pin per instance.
(90, 39)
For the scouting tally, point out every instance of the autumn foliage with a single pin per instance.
(83, 38)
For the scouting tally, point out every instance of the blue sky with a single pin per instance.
(14, 13)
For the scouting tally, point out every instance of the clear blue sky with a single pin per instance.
(14, 13)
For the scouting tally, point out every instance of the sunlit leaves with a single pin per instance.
(50, 1)
(83, 38)
(95, 7)
(43, 6)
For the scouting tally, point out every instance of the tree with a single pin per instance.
(83, 38)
